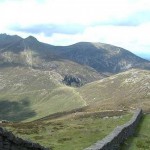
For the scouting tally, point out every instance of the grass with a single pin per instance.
(123, 91)
(45, 94)
(42, 91)
(76, 133)
(141, 139)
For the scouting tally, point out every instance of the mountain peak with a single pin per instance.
(4, 36)
(104, 58)
(31, 38)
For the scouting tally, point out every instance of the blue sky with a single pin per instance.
(124, 23)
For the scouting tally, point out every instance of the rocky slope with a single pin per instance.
(104, 57)
(127, 90)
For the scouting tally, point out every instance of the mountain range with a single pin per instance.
(32, 75)
(89, 61)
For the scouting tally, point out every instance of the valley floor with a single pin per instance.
(68, 133)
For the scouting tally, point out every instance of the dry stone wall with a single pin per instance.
(119, 135)
(8, 141)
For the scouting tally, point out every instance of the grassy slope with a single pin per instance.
(75, 133)
(27, 94)
(141, 139)
(126, 90)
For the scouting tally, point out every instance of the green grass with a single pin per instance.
(67, 134)
(123, 91)
(27, 94)
(141, 139)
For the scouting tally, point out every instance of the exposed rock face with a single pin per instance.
(72, 80)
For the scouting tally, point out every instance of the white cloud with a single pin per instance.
(124, 23)
(29, 12)
(132, 38)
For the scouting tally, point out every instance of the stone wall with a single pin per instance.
(8, 141)
(85, 113)
(118, 136)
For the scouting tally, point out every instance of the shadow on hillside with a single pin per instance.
(15, 110)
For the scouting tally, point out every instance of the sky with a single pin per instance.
(124, 23)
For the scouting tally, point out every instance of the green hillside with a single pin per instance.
(127, 90)
(27, 94)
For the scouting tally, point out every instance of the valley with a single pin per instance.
(73, 132)
(34, 94)
(55, 95)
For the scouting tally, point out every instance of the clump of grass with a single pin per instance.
(63, 139)
(142, 144)
(38, 137)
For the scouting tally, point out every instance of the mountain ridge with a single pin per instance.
(84, 60)
(99, 56)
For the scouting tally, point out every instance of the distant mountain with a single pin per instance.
(104, 57)
(7, 40)
(87, 61)
(29, 52)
